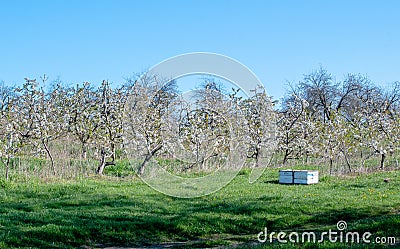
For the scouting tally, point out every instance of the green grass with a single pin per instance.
(109, 211)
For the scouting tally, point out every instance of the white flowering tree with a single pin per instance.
(204, 126)
(296, 129)
(149, 101)
(260, 128)
(84, 115)
(10, 138)
(108, 135)
(42, 116)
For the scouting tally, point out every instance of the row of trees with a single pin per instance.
(349, 119)
(32, 119)
(352, 120)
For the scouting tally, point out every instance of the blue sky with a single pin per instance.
(92, 40)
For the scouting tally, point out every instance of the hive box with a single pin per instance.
(298, 176)
(305, 176)
(286, 176)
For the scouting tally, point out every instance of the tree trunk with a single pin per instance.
(285, 157)
(147, 158)
(113, 152)
(347, 161)
(383, 156)
(330, 166)
(7, 167)
(50, 156)
(84, 151)
(257, 155)
(143, 165)
(102, 164)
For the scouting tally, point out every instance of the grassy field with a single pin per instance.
(124, 212)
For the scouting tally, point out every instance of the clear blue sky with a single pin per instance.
(280, 40)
